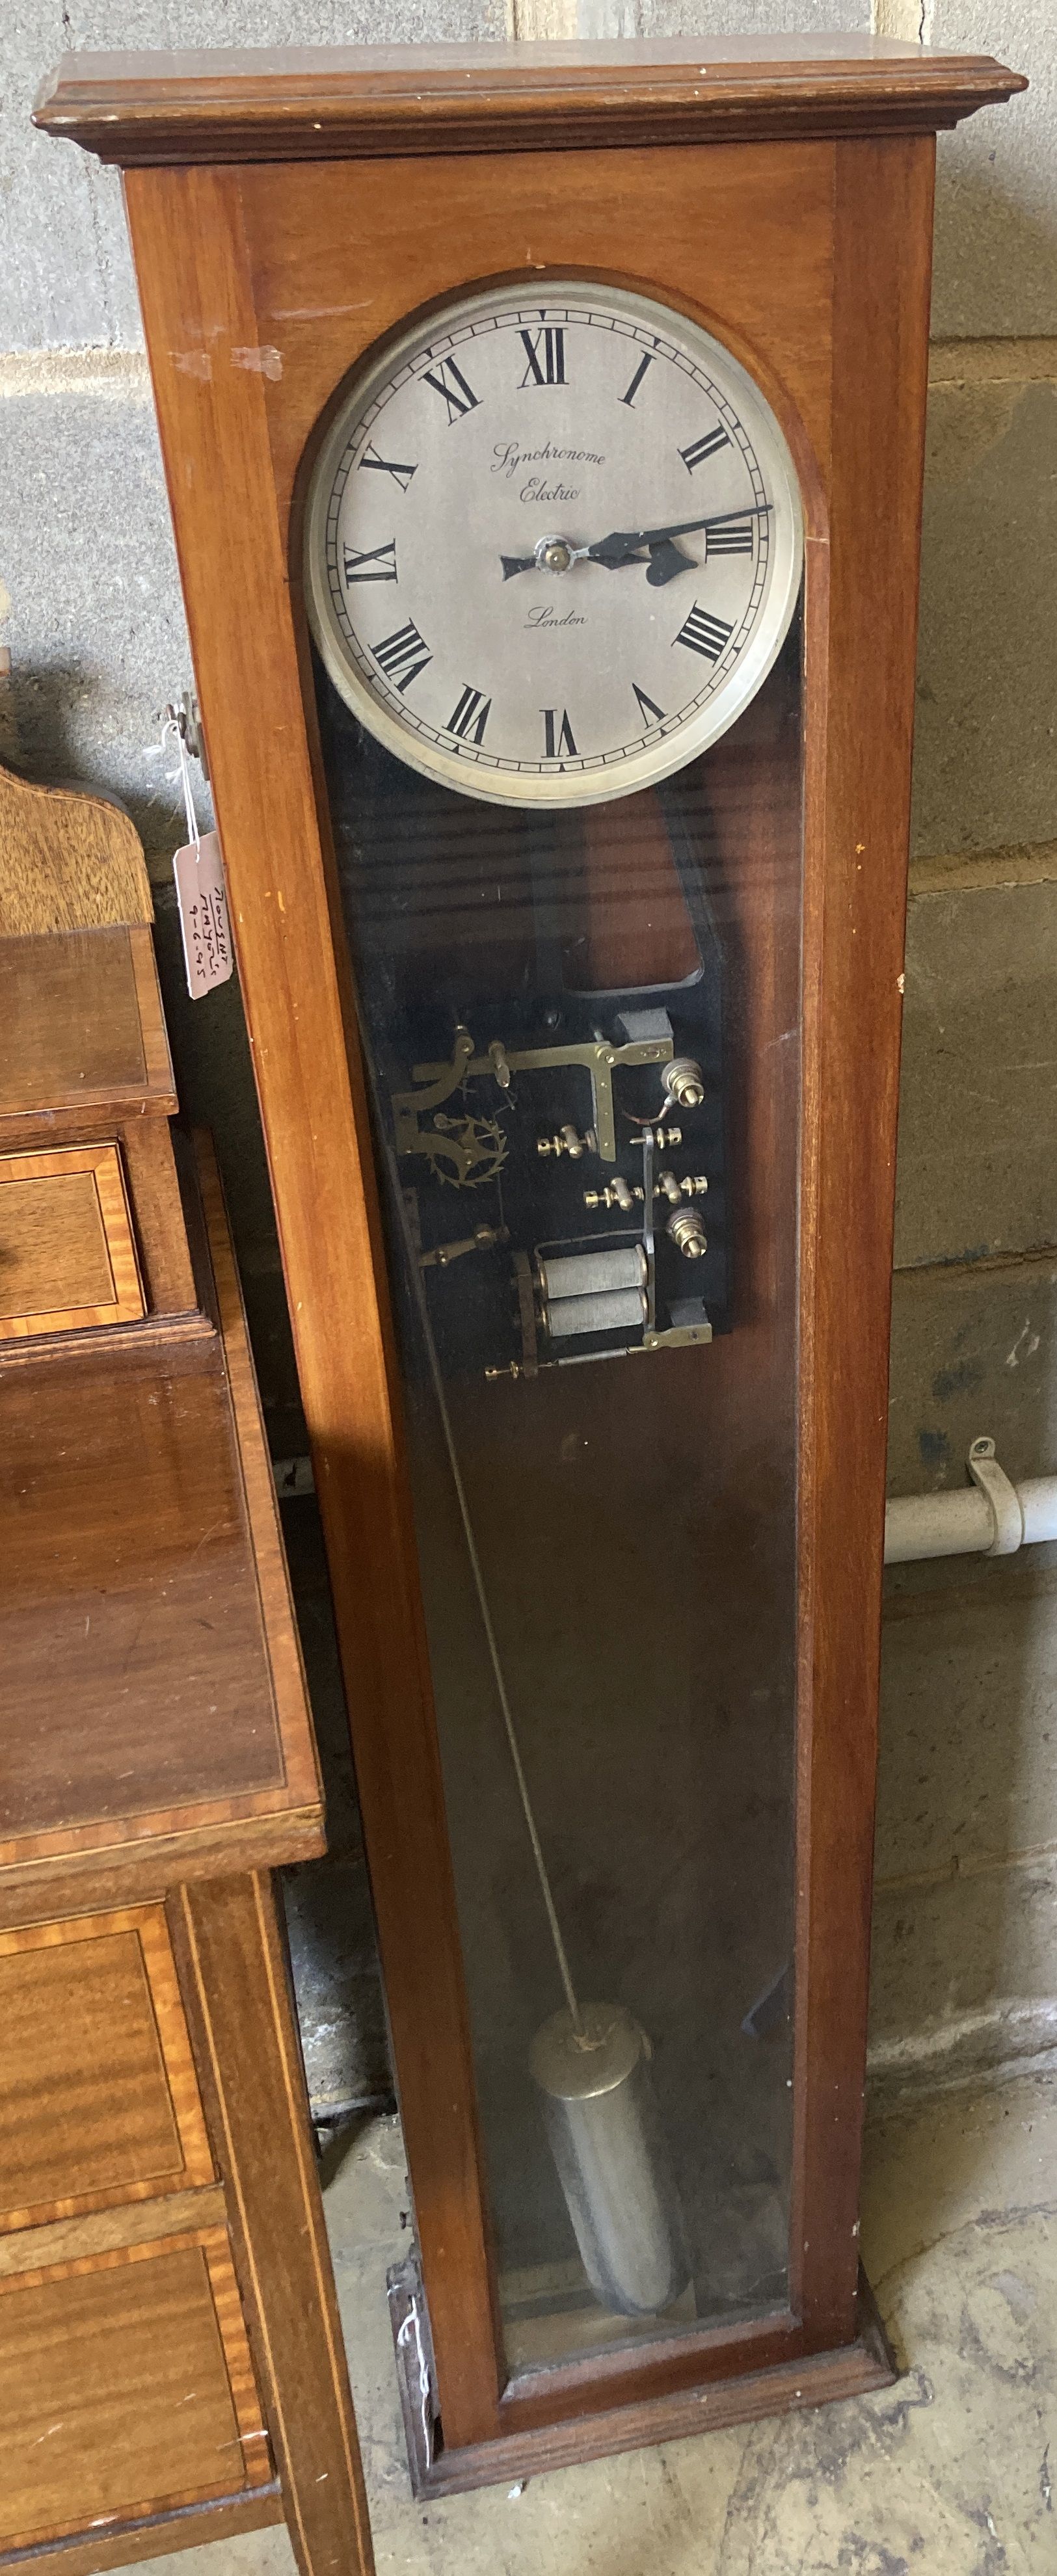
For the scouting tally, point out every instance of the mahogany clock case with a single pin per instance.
(266, 272)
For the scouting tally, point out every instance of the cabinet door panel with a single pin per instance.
(98, 2096)
(67, 1257)
(125, 2387)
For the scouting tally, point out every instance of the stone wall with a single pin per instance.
(965, 1930)
(966, 1919)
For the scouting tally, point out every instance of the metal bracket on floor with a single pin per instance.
(1002, 1497)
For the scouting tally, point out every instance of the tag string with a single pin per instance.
(185, 779)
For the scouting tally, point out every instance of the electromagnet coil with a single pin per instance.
(623, 1309)
(592, 1274)
(593, 1292)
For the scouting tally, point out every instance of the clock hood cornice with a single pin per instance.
(326, 103)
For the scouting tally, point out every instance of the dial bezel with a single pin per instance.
(678, 742)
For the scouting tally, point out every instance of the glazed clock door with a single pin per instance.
(553, 570)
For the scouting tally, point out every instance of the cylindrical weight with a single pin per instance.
(592, 1274)
(623, 1308)
(606, 2139)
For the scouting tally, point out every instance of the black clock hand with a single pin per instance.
(538, 562)
(666, 560)
(624, 546)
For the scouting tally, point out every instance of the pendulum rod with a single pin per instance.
(486, 1616)
(501, 1692)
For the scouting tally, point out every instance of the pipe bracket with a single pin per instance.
(1001, 1495)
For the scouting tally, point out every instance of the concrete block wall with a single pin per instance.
(966, 1912)
(965, 1923)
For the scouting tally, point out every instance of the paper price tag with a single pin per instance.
(204, 927)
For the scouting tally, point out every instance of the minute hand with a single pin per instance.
(624, 543)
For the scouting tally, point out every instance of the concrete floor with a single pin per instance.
(951, 2472)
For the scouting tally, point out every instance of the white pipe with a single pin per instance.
(956, 1524)
(964, 1523)
(1037, 1497)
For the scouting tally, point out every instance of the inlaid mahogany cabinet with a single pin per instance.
(171, 2367)
(543, 429)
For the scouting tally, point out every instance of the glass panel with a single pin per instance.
(582, 1039)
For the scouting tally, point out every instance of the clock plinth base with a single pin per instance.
(817, 2379)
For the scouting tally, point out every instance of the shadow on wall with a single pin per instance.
(74, 722)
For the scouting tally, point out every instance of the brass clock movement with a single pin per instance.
(543, 428)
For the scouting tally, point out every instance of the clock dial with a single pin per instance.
(553, 545)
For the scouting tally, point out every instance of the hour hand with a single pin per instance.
(625, 545)
(653, 546)
(666, 560)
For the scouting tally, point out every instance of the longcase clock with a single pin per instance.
(543, 429)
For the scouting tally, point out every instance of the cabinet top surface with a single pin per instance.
(311, 102)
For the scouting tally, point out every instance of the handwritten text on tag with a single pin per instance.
(203, 906)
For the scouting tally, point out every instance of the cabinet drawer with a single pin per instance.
(99, 2100)
(126, 2388)
(67, 1255)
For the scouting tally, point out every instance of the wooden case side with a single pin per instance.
(194, 274)
(860, 665)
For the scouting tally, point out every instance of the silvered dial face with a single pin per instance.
(553, 544)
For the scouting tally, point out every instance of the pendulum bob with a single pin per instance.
(605, 2135)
